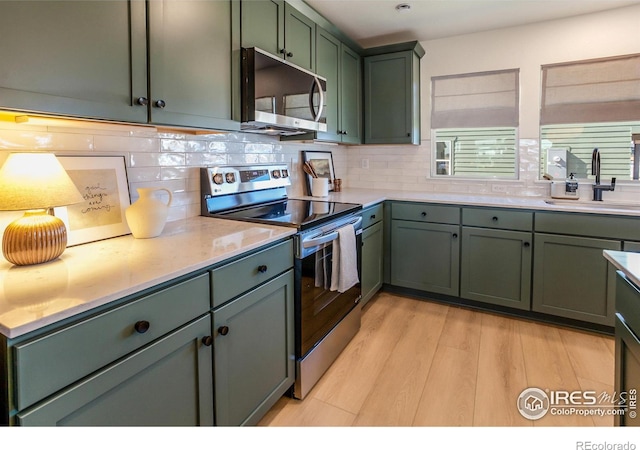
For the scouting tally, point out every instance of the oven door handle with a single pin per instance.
(329, 236)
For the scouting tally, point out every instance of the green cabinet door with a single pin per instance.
(372, 261)
(341, 67)
(299, 38)
(392, 98)
(425, 256)
(254, 352)
(496, 267)
(350, 97)
(262, 25)
(328, 49)
(572, 279)
(83, 59)
(169, 382)
(190, 63)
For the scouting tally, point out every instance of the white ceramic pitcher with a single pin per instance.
(147, 216)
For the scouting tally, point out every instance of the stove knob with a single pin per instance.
(275, 173)
(218, 178)
(285, 173)
(230, 177)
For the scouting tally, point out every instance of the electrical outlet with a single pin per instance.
(365, 163)
(499, 188)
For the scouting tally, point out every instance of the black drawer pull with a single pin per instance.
(373, 216)
(207, 340)
(142, 326)
(494, 218)
(160, 104)
(423, 214)
(223, 330)
(455, 235)
(142, 101)
(262, 269)
(527, 245)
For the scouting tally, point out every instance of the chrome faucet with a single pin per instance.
(595, 170)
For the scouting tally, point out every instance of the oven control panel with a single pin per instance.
(223, 180)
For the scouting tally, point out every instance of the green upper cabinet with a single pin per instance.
(90, 59)
(340, 65)
(262, 25)
(392, 94)
(280, 29)
(190, 63)
(83, 59)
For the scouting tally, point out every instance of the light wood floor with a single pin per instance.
(418, 363)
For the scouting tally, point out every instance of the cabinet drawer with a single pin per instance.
(498, 218)
(239, 276)
(627, 305)
(424, 212)
(47, 364)
(372, 215)
(606, 226)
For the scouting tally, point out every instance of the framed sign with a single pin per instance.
(322, 163)
(102, 181)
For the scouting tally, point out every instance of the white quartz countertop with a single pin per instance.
(368, 197)
(91, 275)
(627, 262)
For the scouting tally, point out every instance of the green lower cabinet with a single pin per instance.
(425, 256)
(372, 261)
(627, 353)
(254, 352)
(573, 279)
(496, 267)
(168, 382)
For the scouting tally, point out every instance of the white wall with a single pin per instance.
(609, 33)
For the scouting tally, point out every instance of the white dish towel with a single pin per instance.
(344, 265)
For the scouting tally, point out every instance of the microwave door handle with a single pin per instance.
(316, 83)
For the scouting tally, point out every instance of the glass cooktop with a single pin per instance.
(302, 214)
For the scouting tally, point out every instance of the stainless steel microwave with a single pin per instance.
(279, 97)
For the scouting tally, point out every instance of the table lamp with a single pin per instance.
(35, 182)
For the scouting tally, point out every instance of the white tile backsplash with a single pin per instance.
(156, 158)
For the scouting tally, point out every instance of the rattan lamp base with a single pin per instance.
(35, 238)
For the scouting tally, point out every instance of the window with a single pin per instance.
(586, 105)
(474, 120)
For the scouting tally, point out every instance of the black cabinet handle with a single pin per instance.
(142, 101)
(527, 245)
(262, 269)
(283, 51)
(455, 235)
(423, 214)
(373, 216)
(223, 330)
(160, 104)
(207, 340)
(494, 218)
(141, 326)
(289, 55)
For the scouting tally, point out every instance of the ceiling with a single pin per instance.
(377, 22)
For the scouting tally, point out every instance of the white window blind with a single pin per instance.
(483, 99)
(603, 90)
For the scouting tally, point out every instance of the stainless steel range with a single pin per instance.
(327, 314)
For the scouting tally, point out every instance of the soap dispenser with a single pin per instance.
(569, 189)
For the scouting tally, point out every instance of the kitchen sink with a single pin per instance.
(594, 205)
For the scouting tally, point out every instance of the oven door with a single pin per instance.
(318, 309)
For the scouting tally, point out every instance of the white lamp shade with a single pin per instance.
(35, 181)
